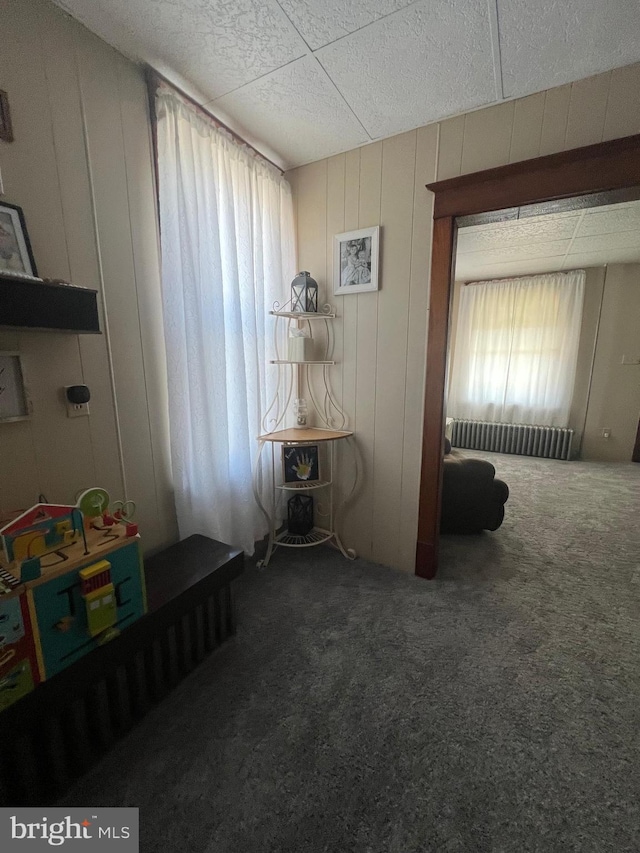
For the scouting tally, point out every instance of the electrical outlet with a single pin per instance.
(606, 432)
(77, 410)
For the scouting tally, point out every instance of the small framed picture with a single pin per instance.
(300, 464)
(14, 403)
(15, 249)
(355, 261)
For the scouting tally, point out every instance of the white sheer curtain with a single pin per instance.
(516, 348)
(228, 252)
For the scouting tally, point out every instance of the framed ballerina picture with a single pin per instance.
(355, 261)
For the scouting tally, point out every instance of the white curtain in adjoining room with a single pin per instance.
(516, 349)
(228, 253)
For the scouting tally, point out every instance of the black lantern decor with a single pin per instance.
(304, 294)
(300, 515)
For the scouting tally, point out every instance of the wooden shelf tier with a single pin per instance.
(303, 487)
(311, 435)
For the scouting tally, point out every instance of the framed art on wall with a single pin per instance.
(300, 464)
(355, 261)
(15, 249)
(14, 403)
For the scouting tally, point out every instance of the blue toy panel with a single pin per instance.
(61, 611)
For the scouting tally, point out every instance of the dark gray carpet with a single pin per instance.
(360, 709)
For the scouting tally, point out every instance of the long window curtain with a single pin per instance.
(228, 253)
(516, 348)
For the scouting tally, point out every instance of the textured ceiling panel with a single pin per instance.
(318, 123)
(520, 253)
(604, 242)
(467, 271)
(598, 259)
(544, 43)
(521, 232)
(323, 21)
(518, 247)
(217, 44)
(427, 61)
(627, 218)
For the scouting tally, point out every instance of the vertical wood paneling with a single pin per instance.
(425, 172)
(347, 306)
(450, 147)
(623, 106)
(46, 170)
(554, 121)
(360, 519)
(487, 138)
(398, 184)
(587, 110)
(527, 128)
(99, 77)
(59, 52)
(335, 225)
(62, 445)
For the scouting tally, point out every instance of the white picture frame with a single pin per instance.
(356, 261)
(14, 401)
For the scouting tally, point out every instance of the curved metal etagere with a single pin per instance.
(332, 428)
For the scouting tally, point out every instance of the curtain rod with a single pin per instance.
(154, 78)
(474, 281)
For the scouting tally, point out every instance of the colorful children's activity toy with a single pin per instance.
(70, 580)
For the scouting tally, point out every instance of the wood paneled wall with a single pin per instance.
(81, 168)
(381, 337)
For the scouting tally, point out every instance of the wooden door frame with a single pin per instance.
(582, 171)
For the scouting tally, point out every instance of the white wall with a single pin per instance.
(381, 336)
(614, 398)
(81, 168)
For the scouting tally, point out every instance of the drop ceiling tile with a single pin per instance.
(427, 61)
(606, 242)
(520, 233)
(323, 21)
(598, 259)
(215, 44)
(545, 43)
(611, 220)
(468, 271)
(298, 112)
(519, 253)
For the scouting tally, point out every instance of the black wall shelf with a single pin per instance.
(49, 306)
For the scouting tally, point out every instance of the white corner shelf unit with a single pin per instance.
(270, 490)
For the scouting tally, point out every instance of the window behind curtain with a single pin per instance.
(516, 349)
(227, 254)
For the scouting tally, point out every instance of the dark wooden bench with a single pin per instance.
(56, 733)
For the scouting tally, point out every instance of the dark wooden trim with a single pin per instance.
(442, 254)
(6, 128)
(154, 79)
(635, 457)
(592, 169)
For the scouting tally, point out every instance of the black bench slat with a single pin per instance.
(190, 610)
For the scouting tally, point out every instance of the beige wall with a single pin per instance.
(614, 398)
(381, 337)
(81, 169)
